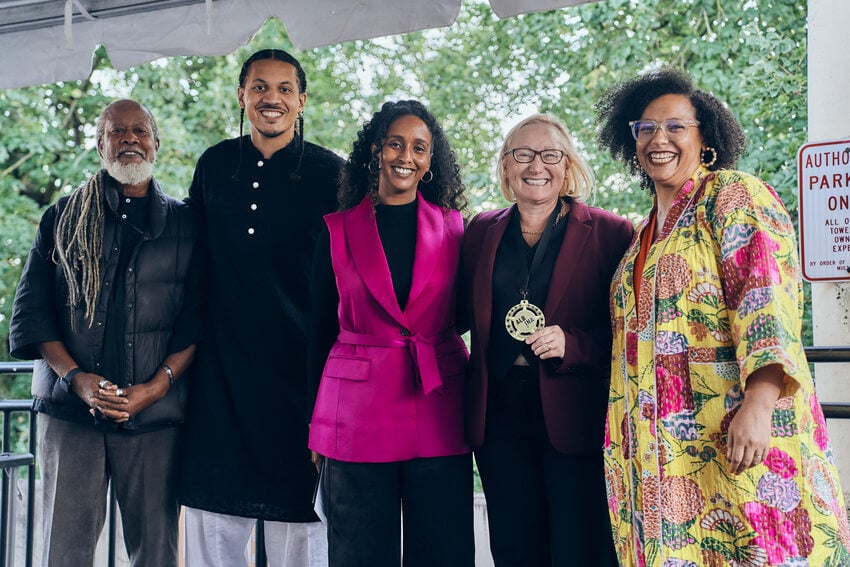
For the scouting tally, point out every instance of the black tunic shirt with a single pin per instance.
(246, 437)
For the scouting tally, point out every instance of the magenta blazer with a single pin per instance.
(393, 385)
(574, 391)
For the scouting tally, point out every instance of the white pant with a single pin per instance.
(219, 540)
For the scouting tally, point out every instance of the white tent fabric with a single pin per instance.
(64, 52)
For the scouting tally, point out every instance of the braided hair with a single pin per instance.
(79, 242)
(285, 57)
(360, 173)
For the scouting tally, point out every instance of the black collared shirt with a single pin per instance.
(132, 224)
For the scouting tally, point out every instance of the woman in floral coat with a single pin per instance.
(716, 450)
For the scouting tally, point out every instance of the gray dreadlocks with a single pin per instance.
(79, 234)
(79, 241)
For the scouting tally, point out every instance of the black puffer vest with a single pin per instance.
(154, 298)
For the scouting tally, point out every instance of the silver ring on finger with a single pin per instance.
(102, 383)
(119, 392)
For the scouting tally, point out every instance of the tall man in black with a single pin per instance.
(262, 198)
(109, 306)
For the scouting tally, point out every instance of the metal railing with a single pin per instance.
(10, 462)
(818, 354)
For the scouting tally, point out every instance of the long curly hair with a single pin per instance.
(627, 100)
(360, 173)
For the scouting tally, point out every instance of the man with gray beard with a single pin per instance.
(109, 307)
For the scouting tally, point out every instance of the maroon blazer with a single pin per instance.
(574, 390)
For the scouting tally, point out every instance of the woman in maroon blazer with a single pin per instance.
(537, 276)
(388, 366)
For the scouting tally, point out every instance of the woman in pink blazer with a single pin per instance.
(388, 366)
(537, 276)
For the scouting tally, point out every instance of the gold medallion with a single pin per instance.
(523, 319)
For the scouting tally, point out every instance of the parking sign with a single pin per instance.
(823, 174)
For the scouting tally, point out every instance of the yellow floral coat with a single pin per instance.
(720, 298)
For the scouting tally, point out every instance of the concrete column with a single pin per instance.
(829, 119)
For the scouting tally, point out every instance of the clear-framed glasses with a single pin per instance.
(673, 128)
(549, 156)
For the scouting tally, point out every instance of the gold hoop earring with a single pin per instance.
(713, 156)
(423, 180)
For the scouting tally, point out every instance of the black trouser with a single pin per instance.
(364, 503)
(545, 508)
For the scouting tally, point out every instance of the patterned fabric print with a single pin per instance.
(782, 535)
(784, 423)
(644, 315)
(674, 276)
(820, 424)
(755, 299)
(720, 296)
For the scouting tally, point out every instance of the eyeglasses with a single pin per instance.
(674, 128)
(527, 155)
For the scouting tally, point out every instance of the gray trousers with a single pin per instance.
(77, 462)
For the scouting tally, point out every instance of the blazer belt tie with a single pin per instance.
(422, 349)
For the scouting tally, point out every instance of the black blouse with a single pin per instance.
(510, 274)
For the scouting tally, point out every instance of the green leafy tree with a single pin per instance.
(479, 76)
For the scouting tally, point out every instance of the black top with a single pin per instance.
(149, 305)
(132, 223)
(510, 274)
(397, 229)
(246, 436)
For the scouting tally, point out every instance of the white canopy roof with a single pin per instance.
(46, 41)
